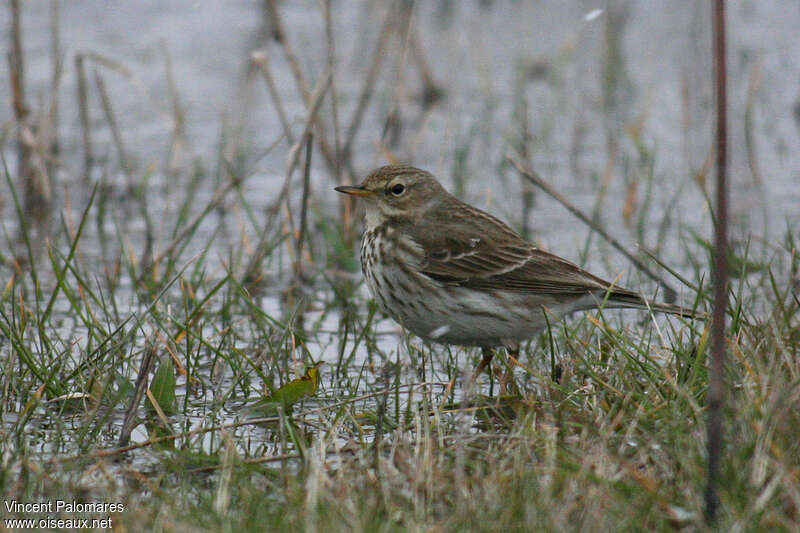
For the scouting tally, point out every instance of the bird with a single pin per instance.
(453, 274)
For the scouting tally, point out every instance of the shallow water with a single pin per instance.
(662, 54)
(630, 85)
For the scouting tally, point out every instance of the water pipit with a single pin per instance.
(453, 274)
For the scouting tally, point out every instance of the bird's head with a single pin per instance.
(397, 191)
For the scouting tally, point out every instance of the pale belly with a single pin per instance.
(453, 314)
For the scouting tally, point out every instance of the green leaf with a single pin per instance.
(163, 387)
(290, 393)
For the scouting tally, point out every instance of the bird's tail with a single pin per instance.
(629, 299)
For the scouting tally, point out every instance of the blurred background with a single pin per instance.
(609, 101)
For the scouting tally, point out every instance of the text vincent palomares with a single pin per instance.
(63, 506)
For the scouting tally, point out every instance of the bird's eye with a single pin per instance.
(398, 189)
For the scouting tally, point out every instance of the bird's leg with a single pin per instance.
(488, 353)
(507, 380)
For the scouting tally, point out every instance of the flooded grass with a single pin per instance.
(156, 298)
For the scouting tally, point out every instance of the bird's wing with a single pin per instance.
(505, 267)
(485, 254)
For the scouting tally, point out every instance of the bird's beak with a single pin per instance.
(354, 190)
